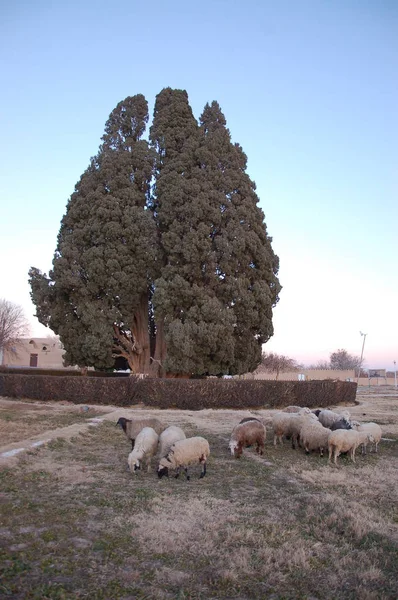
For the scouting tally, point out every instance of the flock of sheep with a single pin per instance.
(150, 437)
(317, 430)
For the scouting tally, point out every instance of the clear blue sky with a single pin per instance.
(308, 88)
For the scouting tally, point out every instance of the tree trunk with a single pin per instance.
(156, 368)
(134, 345)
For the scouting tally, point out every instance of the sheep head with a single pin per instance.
(163, 468)
(122, 422)
(236, 448)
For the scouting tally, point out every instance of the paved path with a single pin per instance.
(10, 452)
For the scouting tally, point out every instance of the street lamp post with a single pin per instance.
(363, 346)
(395, 373)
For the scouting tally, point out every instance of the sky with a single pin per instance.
(309, 89)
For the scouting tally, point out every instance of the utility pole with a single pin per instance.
(395, 374)
(363, 346)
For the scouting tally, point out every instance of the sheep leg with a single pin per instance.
(203, 473)
(376, 444)
(176, 476)
(186, 473)
(352, 454)
(132, 444)
(336, 455)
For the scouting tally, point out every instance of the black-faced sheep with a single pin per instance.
(340, 424)
(132, 427)
(184, 453)
(328, 417)
(247, 434)
(146, 445)
(346, 441)
(168, 437)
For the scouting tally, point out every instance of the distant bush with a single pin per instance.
(185, 394)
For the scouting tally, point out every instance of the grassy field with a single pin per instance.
(76, 524)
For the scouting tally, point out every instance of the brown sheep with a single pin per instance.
(247, 434)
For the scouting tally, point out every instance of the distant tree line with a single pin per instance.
(163, 257)
(340, 360)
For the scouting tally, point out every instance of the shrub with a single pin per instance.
(185, 394)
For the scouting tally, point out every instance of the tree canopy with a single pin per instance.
(163, 255)
(13, 326)
(342, 360)
(278, 363)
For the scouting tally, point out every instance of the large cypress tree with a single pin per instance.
(246, 267)
(219, 282)
(195, 328)
(171, 231)
(96, 296)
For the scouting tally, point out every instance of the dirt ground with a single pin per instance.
(25, 425)
(76, 524)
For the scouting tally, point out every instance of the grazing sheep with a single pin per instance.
(328, 417)
(296, 423)
(184, 453)
(289, 425)
(168, 437)
(132, 427)
(347, 441)
(314, 436)
(372, 428)
(146, 444)
(281, 426)
(247, 434)
(341, 424)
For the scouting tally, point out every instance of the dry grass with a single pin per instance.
(21, 420)
(77, 524)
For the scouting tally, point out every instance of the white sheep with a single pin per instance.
(343, 440)
(132, 427)
(168, 437)
(146, 444)
(247, 433)
(295, 409)
(372, 428)
(289, 424)
(328, 417)
(184, 453)
(314, 436)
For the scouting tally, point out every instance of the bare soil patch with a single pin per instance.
(77, 524)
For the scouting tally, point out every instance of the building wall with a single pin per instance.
(48, 353)
(312, 374)
(309, 374)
